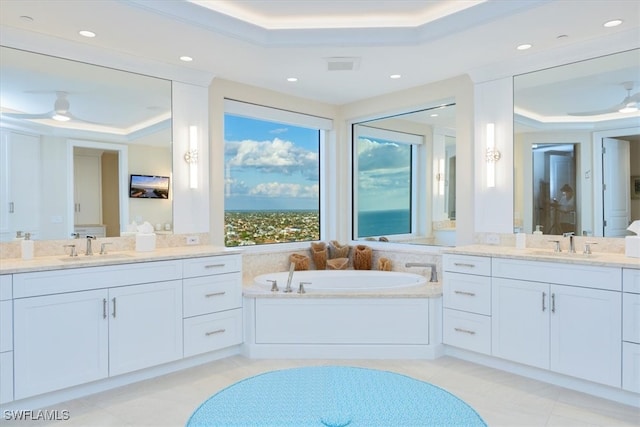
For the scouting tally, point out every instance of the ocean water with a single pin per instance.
(382, 223)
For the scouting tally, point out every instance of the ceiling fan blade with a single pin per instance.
(77, 119)
(613, 109)
(28, 116)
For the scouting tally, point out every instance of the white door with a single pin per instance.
(586, 333)
(520, 321)
(616, 191)
(87, 175)
(145, 326)
(59, 341)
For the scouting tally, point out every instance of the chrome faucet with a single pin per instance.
(89, 249)
(572, 245)
(434, 272)
(292, 267)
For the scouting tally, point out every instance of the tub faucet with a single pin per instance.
(572, 245)
(434, 272)
(292, 267)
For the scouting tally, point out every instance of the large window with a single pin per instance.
(272, 175)
(384, 182)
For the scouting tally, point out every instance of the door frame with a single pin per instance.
(123, 178)
(596, 188)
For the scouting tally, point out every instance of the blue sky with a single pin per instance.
(270, 166)
(384, 176)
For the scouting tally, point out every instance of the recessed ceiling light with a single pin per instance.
(186, 58)
(395, 76)
(613, 23)
(87, 33)
(524, 46)
(292, 79)
(434, 115)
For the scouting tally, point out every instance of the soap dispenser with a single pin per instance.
(538, 229)
(27, 246)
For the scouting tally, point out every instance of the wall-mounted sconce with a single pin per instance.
(492, 155)
(191, 157)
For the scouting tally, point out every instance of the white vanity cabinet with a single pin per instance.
(631, 330)
(563, 317)
(60, 341)
(466, 289)
(6, 338)
(212, 303)
(76, 326)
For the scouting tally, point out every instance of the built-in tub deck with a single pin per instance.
(343, 314)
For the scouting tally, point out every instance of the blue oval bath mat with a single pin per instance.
(333, 396)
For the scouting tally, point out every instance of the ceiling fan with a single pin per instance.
(60, 112)
(630, 104)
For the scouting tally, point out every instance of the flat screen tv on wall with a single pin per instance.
(148, 187)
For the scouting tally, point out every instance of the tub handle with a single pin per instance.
(301, 287)
(274, 285)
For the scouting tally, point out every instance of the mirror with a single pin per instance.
(404, 177)
(71, 135)
(577, 147)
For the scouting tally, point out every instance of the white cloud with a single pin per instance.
(277, 155)
(279, 189)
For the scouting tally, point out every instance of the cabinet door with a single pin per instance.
(586, 333)
(59, 341)
(87, 171)
(20, 189)
(145, 326)
(520, 321)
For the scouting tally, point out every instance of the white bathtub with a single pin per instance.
(343, 280)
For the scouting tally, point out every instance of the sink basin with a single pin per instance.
(95, 257)
(563, 254)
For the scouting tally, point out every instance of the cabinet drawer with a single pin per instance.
(631, 367)
(561, 273)
(631, 280)
(208, 294)
(467, 292)
(195, 267)
(631, 317)
(6, 289)
(212, 332)
(83, 279)
(467, 330)
(467, 264)
(6, 326)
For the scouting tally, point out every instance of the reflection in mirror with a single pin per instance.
(577, 147)
(71, 134)
(404, 177)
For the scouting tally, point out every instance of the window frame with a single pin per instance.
(288, 117)
(419, 212)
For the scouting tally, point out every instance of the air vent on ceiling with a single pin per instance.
(342, 63)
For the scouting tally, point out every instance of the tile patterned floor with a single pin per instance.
(502, 399)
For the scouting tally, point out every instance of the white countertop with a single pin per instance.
(61, 262)
(538, 254)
